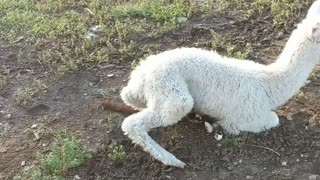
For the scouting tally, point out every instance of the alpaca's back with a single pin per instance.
(208, 75)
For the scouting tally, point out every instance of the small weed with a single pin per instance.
(238, 140)
(4, 129)
(66, 153)
(221, 44)
(299, 96)
(23, 95)
(117, 152)
(3, 81)
(280, 10)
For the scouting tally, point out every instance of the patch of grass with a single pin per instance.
(59, 35)
(22, 96)
(299, 96)
(280, 10)
(220, 44)
(117, 152)
(65, 153)
(238, 140)
(3, 81)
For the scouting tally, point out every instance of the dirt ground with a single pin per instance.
(291, 151)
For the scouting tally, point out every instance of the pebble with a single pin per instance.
(76, 177)
(182, 20)
(8, 116)
(209, 128)
(289, 118)
(3, 150)
(313, 177)
(23, 163)
(249, 177)
(34, 126)
(218, 137)
(284, 163)
(110, 75)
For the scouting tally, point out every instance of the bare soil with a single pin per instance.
(291, 151)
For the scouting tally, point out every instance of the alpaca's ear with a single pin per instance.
(314, 11)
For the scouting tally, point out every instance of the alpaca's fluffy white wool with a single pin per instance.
(242, 94)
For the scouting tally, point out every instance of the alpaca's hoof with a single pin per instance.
(177, 163)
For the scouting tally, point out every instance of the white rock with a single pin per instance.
(218, 136)
(95, 28)
(313, 177)
(8, 116)
(209, 127)
(289, 118)
(284, 163)
(249, 177)
(76, 177)
(110, 75)
(91, 36)
(23, 163)
(182, 20)
(34, 126)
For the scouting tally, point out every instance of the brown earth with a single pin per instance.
(291, 151)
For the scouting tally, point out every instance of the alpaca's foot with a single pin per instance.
(272, 121)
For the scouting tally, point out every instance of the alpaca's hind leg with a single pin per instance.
(262, 122)
(132, 96)
(272, 120)
(158, 114)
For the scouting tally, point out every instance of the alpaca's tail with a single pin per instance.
(121, 108)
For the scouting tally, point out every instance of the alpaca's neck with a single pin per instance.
(291, 70)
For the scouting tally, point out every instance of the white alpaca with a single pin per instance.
(242, 94)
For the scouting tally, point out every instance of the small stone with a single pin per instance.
(34, 126)
(3, 150)
(168, 177)
(208, 126)
(218, 137)
(95, 28)
(249, 177)
(301, 155)
(284, 163)
(298, 160)
(313, 177)
(37, 135)
(76, 177)
(307, 82)
(182, 20)
(44, 145)
(229, 168)
(264, 168)
(2, 112)
(110, 75)
(289, 118)
(8, 116)
(23, 163)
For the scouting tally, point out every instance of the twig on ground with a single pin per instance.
(264, 147)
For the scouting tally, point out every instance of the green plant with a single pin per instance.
(238, 140)
(299, 96)
(23, 95)
(219, 43)
(117, 152)
(65, 153)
